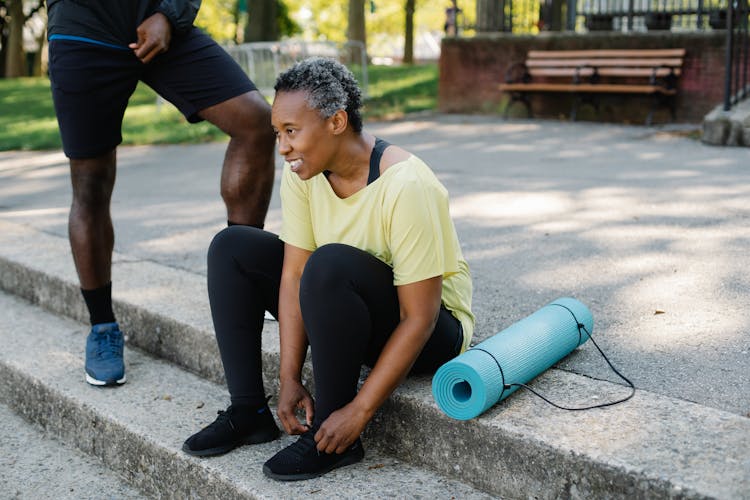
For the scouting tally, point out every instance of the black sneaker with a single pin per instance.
(302, 460)
(232, 428)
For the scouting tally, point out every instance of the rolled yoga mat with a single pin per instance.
(469, 384)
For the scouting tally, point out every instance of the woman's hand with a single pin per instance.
(341, 429)
(292, 396)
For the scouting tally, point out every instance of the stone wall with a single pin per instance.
(471, 68)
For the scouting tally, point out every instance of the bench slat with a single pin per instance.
(584, 88)
(626, 72)
(559, 54)
(547, 63)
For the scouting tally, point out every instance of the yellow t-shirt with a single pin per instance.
(402, 218)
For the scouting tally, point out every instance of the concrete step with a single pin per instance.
(652, 446)
(138, 428)
(34, 464)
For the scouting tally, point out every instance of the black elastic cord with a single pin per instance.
(580, 327)
(502, 375)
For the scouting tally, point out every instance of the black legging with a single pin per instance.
(349, 306)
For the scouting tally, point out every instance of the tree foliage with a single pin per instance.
(219, 18)
(385, 20)
(235, 21)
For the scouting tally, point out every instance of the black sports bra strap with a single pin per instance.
(375, 156)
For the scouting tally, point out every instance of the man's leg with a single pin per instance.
(248, 170)
(90, 224)
(91, 241)
(90, 87)
(205, 83)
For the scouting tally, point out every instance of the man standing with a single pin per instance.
(99, 50)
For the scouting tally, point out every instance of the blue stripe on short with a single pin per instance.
(87, 40)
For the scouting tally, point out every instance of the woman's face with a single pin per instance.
(303, 136)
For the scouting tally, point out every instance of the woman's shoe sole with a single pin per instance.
(221, 450)
(345, 460)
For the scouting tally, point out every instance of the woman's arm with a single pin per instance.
(420, 306)
(293, 341)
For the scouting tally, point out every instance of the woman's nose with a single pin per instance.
(284, 147)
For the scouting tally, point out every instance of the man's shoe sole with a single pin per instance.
(102, 383)
(345, 460)
(257, 438)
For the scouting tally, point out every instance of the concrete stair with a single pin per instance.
(34, 464)
(138, 429)
(651, 447)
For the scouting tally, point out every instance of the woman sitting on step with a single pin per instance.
(367, 270)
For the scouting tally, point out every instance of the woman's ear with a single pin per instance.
(339, 122)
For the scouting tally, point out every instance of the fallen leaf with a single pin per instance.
(658, 311)
(167, 397)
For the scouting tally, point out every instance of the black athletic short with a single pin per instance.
(92, 82)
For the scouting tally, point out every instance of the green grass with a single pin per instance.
(27, 117)
(396, 90)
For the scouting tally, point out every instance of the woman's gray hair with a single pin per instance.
(330, 86)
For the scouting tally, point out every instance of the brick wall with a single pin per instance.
(471, 68)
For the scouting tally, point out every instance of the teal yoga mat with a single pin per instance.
(469, 384)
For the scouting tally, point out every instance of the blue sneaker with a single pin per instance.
(104, 362)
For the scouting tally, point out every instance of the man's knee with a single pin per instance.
(245, 117)
(92, 180)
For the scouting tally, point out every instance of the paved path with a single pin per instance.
(650, 229)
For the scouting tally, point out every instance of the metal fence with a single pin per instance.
(528, 16)
(736, 87)
(647, 15)
(263, 61)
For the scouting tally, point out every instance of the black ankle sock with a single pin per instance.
(99, 303)
(258, 226)
(248, 417)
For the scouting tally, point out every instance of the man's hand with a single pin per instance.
(154, 35)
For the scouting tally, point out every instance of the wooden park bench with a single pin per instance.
(588, 74)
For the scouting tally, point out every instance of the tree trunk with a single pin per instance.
(261, 21)
(14, 57)
(40, 58)
(409, 34)
(490, 15)
(356, 31)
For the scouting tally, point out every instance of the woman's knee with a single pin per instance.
(222, 244)
(328, 266)
(250, 248)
